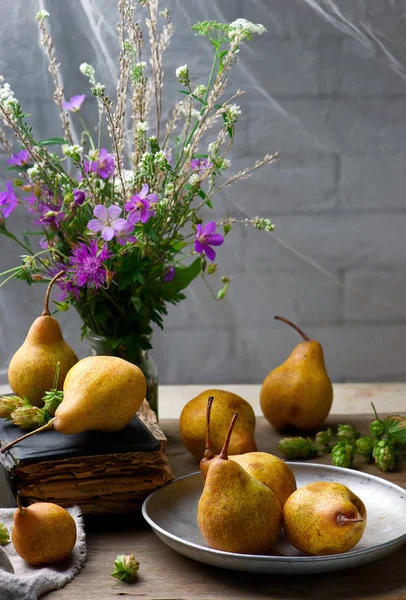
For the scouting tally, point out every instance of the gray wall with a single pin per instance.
(326, 86)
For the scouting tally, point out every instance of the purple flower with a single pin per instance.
(50, 214)
(86, 265)
(19, 159)
(104, 164)
(200, 165)
(74, 103)
(8, 201)
(170, 274)
(126, 235)
(205, 238)
(140, 206)
(79, 196)
(107, 221)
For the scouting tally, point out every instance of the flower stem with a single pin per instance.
(86, 130)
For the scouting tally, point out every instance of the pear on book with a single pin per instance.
(101, 393)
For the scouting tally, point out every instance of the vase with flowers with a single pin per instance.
(124, 222)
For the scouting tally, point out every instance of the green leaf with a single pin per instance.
(183, 277)
(53, 141)
(186, 93)
(178, 246)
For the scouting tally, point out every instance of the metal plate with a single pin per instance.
(171, 512)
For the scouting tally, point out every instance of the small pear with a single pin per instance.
(101, 393)
(324, 518)
(193, 423)
(266, 468)
(298, 393)
(32, 368)
(237, 513)
(43, 533)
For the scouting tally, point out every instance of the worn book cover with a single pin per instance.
(101, 472)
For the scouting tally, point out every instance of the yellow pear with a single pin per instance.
(266, 468)
(32, 368)
(101, 393)
(298, 393)
(193, 423)
(237, 513)
(43, 533)
(324, 518)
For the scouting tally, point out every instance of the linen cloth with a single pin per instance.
(21, 581)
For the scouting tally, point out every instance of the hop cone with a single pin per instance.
(52, 400)
(364, 446)
(384, 455)
(8, 404)
(4, 534)
(126, 568)
(323, 438)
(28, 417)
(347, 433)
(342, 454)
(377, 428)
(297, 447)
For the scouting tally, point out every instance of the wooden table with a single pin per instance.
(165, 574)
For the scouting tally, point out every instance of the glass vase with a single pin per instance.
(100, 346)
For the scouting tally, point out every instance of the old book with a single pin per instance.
(100, 472)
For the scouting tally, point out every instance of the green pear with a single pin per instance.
(32, 368)
(298, 393)
(101, 393)
(237, 513)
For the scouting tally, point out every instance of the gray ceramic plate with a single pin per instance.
(171, 512)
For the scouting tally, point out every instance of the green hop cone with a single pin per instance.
(28, 417)
(384, 455)
(52, 400)
(126, 568)
(297, 447)
(342, 454)
(347, 433)
(8, 404)
(4, 535)
(323, 438)
(364, 446)
(377, 428)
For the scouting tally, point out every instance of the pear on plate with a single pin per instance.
(101, 393)
(32, 368)
(237, 513)
(43, 533)
(324, 517)
(192, 423)
(263, 466)
(298, 393)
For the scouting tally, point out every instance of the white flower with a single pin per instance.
(42, 15)
(245, 28)
(169, 189)
(7, 98)
(182, 72)
(98, 90)
(234, 110)
(192, 112)
(225, 163)
(141, 65)
(141, 126)
(194, 179)
(73, 151)
(88, 71)
(213, 148)
(33, 171)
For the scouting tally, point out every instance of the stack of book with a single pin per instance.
(100, 472)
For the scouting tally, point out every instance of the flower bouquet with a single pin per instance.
(123, 224)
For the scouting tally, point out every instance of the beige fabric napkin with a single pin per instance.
(30, 583)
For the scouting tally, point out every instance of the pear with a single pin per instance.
(298, 393)
(101, 393)
(324, 518)
(193, 423)
(32, 368)
(237, 513)
(43, 533)
(266, 468)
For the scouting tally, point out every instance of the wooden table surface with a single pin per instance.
(164, 574)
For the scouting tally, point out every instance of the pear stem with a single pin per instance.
(208, 452)
(224, 451)
(45, 312)
(300, 332)
(19, 505)
(343, 520)
(48, 425)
